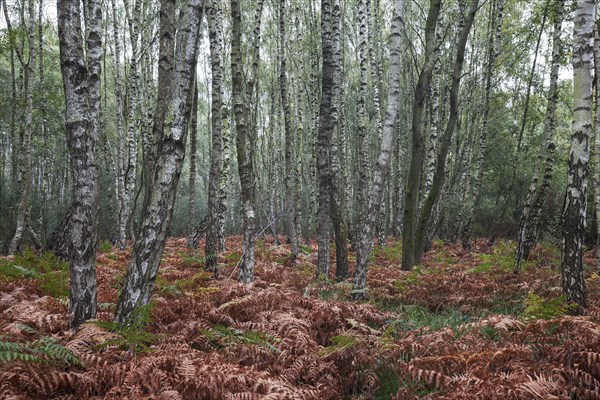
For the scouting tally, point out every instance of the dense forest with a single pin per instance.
(246, 199)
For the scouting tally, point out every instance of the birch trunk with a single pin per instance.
(475, 189)
(597, 145)
(363, 145)
(416, 161)
(216, 163)
(337, 195)
(158, 208)
(27, 178)
(81, 81)
(381, 170)
(440, 172)
(290, 156)
(192, 210)
(242, 101)
(574, 213)
(536, 196)
(324, 135)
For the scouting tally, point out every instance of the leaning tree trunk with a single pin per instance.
(532, 210)
(158, 208)
(244, 130)
(81, 82)
(381, 170)
(574, 212)
(27, 178)
(440, 171)
(416, 161)
(290, 156)
(216, 151)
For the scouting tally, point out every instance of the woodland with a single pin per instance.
(299, 199)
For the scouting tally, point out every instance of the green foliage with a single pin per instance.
(43, 350)
(105, 246)
(220, 336)
(51, 272)
(417, 317)
(193, 260)
(390, 381)
(500, 260)
(541, 308)
(441, 256)
(233, 258)
(304, 248)
(339, 343)
(133, 335)
(412, 278)
(391, 253)
(490, 333)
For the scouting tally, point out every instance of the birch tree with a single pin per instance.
(381, 170)
(28, 65)
(81, 80)
(536, 195)
(416, 161)
(242, 94)
(575, 206)
(324, 135)
(290, 156)
(492, 54)
(216, 164)
(158, 209)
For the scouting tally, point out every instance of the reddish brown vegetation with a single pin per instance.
(280, 339)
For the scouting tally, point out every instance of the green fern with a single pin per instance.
(133, 335)
(339, 343)
(45, 350)
(541, 308)
(221, 336)
(50, 271)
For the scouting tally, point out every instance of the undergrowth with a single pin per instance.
(38, 349)
(133, 336)
(48, 270)
(459, 326)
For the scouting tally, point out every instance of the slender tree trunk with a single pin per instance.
(27, 176)
(440, 172)
(81, 81)
(416, 161)
(475, 189)
(574, 213)
(192, 211)
(381, 168)
(244, 130)
(216, 163)
(337, 191)
(362, 134)
(532, 210)
(324, 136)
(132, 122)
(224, 181)
(516, 156)
(166, 71)
(158, 209)
(290, 156)
(44, 127)
(597, 143)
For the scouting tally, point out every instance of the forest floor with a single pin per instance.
(461, 326)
